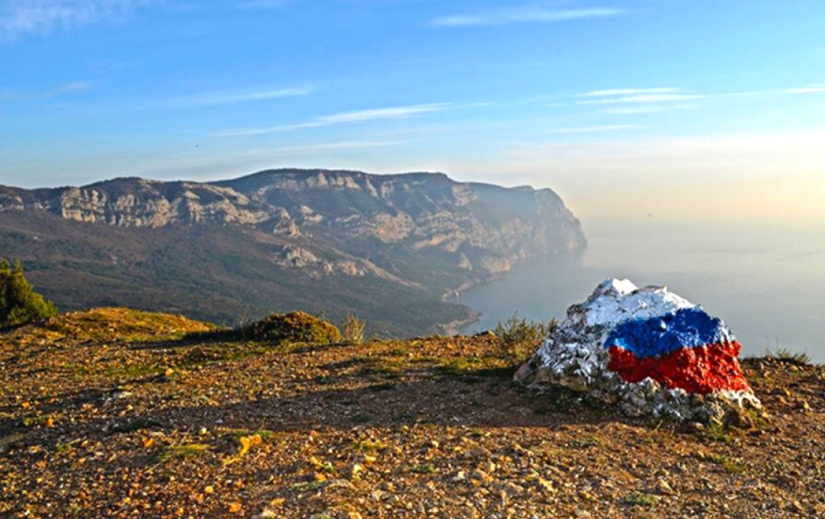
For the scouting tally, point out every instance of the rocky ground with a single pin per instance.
(111, 414)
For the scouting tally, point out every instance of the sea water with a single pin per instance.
(767, 281)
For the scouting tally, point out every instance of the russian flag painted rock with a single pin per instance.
(647, 350)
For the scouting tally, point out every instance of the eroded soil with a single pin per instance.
(106, 419)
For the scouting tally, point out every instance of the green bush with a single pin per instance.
(19, 303)
(519, 338)
(294, 327)
(354, 329)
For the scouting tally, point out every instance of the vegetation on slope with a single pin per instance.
(291, 328)
(219, 274)
(19, 303)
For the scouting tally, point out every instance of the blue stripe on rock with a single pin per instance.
(686, 328)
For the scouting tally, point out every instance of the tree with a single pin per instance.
(19, 303)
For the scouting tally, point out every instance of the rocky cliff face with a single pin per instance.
(422, 231)
(480, 227)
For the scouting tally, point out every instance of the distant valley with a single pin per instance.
(389, 248)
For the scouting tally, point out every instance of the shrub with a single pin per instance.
(519, 338)
(19, 303)
(293, 327)
(790, 357)
(354, 329)
(640, 499)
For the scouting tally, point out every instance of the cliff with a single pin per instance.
(411, 236)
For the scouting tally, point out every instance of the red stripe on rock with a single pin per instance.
(702, 370)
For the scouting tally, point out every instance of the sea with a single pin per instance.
(765, 280)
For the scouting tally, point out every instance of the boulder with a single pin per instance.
(646, 350)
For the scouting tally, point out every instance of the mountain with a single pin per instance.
(391, 248)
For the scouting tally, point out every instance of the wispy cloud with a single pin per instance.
(524, 15)
(329, 146)
(74, 86)
(240, 96)
(660, 99)
(597, 129)
(20, 18)
(633, 110)
(643, 98)
(66, 89)
(398, 112)
(813, 89)
(263, 4)
(629, 92)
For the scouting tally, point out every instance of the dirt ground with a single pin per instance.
(111, 414)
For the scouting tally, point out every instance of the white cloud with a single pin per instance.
(263, 4)
(643, 98)
(524, 15)
(343, 118)
(20, 18)
(239, 96)
(329, 146)
(814, 89)
(629, 92)
(634, 110)
(662, 99)
(76, 86)
(67, 89)
(597, 129)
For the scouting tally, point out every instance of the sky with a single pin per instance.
(681, 109)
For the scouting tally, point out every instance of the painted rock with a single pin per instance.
(646, 350)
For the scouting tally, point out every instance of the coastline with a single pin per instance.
(456, 326)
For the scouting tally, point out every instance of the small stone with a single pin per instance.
(664, 488)
(738, 418)
(511, 489)
(581, 514)
(481, 476)
(477, 452)
(380, 495)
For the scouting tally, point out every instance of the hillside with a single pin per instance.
(391, 248)
(112, 413)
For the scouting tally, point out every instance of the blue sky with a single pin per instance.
(621, 105)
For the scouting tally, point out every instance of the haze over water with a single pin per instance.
(766, 281)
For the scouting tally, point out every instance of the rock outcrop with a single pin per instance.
(648, 351)
(479, 227)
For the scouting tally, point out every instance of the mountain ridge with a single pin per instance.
(419, 232)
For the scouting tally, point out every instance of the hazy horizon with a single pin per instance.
(687, 110)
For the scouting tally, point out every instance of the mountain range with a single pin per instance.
(393, 249)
